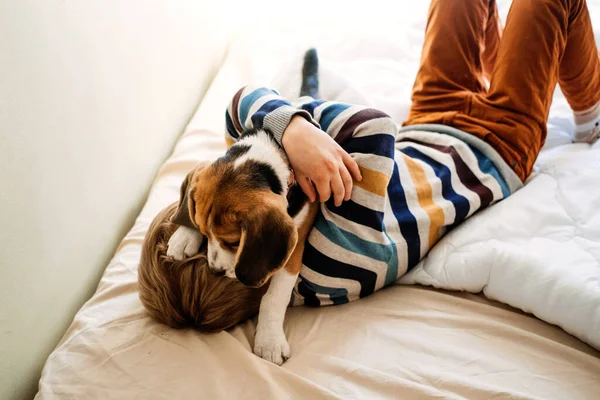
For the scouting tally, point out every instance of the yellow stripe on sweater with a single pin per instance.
(424, 193)
(229, 141)
(373, 181)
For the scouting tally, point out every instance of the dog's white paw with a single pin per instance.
(271, 345)
(185, 242)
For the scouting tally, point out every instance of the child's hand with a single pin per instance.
(317, 159)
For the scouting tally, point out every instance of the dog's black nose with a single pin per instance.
(217, 272)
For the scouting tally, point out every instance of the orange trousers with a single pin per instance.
(544, 42)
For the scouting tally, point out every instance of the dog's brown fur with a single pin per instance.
(184, 293)
(244, 219)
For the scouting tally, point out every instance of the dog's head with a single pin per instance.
(239, 203)
(182, 293)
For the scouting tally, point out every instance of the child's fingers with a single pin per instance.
(307, 188)
(352, 166)
(338, 189)
(347, 179)
(324, 190)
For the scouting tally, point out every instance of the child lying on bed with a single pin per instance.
(463, 147)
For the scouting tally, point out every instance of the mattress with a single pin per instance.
(405, 341)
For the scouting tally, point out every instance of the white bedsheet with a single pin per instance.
(402, 342)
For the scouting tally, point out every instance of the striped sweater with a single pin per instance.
(418, 183)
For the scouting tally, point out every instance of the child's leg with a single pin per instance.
(493, 34)
(461, 43)
(579, 77)
(543, 40)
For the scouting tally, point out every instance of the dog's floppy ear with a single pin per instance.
(268, 239)
(186, 207)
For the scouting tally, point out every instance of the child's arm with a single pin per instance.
(260, 108)
(315, 157)
(372, 132)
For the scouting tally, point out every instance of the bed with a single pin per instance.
(406, 341)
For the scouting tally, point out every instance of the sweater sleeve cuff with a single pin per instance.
(278, 120)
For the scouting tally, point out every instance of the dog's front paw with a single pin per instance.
(271, 345)
(185, 242)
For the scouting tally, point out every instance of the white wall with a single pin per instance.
(93, 94)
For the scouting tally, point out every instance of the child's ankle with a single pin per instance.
(587, 124)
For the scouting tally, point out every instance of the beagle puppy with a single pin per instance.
(256, 224)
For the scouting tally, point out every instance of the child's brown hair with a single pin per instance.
(184, 293)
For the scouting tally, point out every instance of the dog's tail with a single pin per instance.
(310, 74)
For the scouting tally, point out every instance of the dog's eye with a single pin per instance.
(233, 244)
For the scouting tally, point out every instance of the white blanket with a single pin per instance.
(538, 250)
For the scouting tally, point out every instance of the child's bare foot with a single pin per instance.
(587, 125)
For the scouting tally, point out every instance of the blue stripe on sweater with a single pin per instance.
(267, 108)
(487, 166)
(230, 128)
(461, 204)
(380, 144)
(355, 244)
(250, 99)
(318, 261)
(330, 112)
(310, 107)
(391, 274)
(356, 213)
(406, 220)
(310, 291)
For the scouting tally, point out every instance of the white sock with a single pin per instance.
(587, 125)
